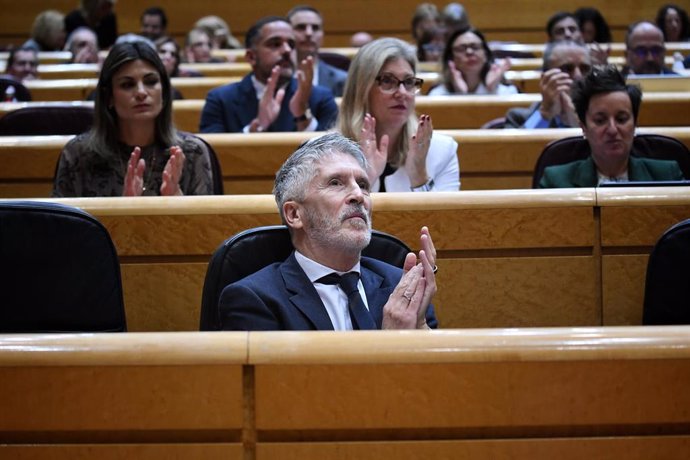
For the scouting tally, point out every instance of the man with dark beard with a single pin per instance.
(274, 97)
(322, 193)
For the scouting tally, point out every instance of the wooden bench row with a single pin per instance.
(520, 394)
(489, 159)
(570, 257)
(525, 25)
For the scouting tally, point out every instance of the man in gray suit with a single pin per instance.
(307, 24)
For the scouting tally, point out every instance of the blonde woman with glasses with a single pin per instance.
(378, 110)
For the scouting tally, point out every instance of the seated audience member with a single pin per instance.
(198, 47)
(133, 148)
(426, 17)
(673, 22)
(359, 39)
(47, 32)
(645, 50)
(22, 64)
(378, 110)
(83, 44)
(273, 97)
(154, 23)
(219, 31)
(454, 17)
(431, 44)
(564, 26)
(468, 67)
(564, 63)
(593, 26)
(307, 24)
(323, 196)
(98, 15)
(169, 52)
(607, 109)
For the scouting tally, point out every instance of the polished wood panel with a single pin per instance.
(191, 451)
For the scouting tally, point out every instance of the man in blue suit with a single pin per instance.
(322, 192)
(307, 23)
(274, 97)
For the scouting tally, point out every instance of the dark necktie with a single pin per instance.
(360, 316)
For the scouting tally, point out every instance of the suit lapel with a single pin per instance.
(303, 295)
(585, 174)
(377, 295)
(637, 170)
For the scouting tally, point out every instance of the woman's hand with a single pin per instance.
(415, 162)
(172, 172)
(375, 152)
(134, 177)
(459, 83)
(495, 74)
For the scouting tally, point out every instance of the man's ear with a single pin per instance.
(293, 213)
(250, 56)
(583, 128)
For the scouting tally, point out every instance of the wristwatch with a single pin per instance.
(425, 187)
(304, 117)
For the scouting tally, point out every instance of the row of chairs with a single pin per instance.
(61, 271)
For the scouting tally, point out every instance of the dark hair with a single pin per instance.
(448, 56)
(167, 39)
(684, 22)
(422, 12)
(14, 51)
(603, 32)
(155, 11)
(300, 8)
(556, 18)
(427, 37)
(603, 79)
(253, 32)
(103, 137)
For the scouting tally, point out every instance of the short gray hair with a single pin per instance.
(292, 179)
(552, 46)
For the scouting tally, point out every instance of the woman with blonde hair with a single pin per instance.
(378, 110)
(219, 31)
(47, 32)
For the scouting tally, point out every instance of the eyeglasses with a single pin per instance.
(463, 49)
(432, 48)
(390, 84)
(570, 68)
(643, 51)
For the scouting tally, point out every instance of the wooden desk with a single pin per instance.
(520, 393)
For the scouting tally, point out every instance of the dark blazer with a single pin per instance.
(230, 108)
(332, 78)
(281, 297)
(583, 173)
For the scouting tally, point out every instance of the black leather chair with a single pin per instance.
(47, 120)
(60, 271)
(21, 93)
(215, 169)
(251, 250)
(575, 148)
(496, 123)
(667, 291)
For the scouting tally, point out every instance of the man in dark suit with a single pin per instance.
(645, 50)
(307, 23)
(273, 97)
(322, 192)
(565, 62)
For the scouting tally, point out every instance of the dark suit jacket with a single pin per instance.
(332, 78)
(281, 297)
(230, 108)
(583, 173)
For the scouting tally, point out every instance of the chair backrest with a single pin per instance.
(215, 169)
(337, 60)
(667, 291)
(249, 251)
(47, 120)
(496, 123)
(21, 92)
(575, 148)
(60, 271)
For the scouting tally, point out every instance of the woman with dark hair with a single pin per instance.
(378, 110)
(673, 21)
(133, 148)
(593, 26)
(468, 67)
(607, 108)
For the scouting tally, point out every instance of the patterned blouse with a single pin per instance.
(82, 173)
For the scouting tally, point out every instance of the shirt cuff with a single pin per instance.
(536, 121)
